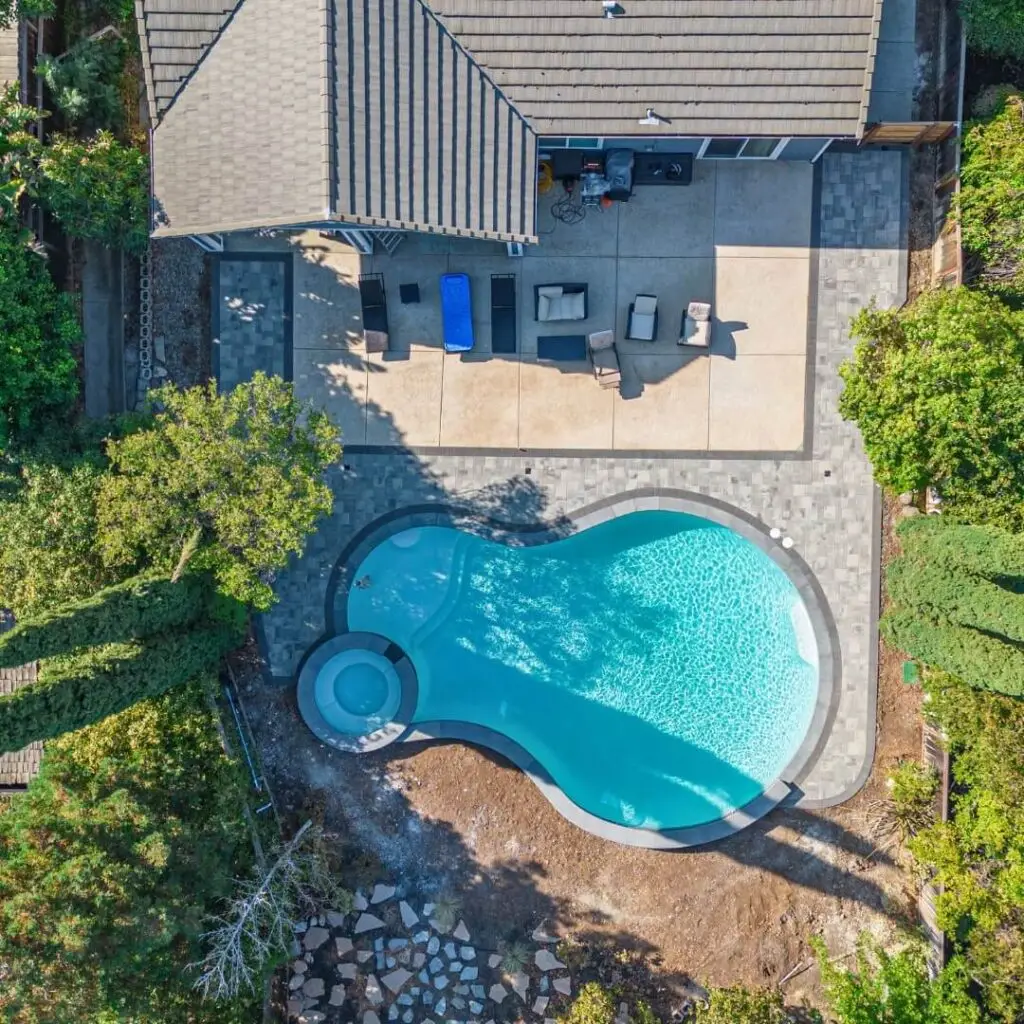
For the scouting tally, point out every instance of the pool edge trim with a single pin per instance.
(784, 789)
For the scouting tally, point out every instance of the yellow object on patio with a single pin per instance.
(545, 177)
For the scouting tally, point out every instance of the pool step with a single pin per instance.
(456, 573)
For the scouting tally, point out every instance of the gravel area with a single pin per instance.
(181, 308)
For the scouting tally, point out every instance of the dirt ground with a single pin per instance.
(451, 818)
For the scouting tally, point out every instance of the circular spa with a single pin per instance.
(660, 675)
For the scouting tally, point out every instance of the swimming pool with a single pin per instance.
(660, 667)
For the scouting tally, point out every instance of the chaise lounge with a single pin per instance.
(456, 313)
(560, 302)
(374, 304)
(503, 313)
(604, 358)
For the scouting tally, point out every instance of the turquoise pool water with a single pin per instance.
(660, 666)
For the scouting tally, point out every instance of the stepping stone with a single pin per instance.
(378, 944)
(433, 945)
(380, 962)
(390, 961)
(540, 1004)
(475, 1007)
(459, 1003)
(360, 902)
(299, 927)
(404, 956)
(334, 919)
(342, 945)
(392, 1013)
(373, 992)
(297, 981)
(467, 953)
(348, 971)
(420, 937)
(546, 960)
(396, 979)
(424, 977)
(469, 974)
(405, 999)
(563, 985)
(441, 981)
(300, 967)
(544, 985)
(409, 916)
(314, 988)
(449, 950)
(493, 960)
(428, 909)
(407, 1017)
(294, 1007)
(478, 990)
(366, 923)
(311, 1017)
(456, 966)
(337, 995)
(461, 932)
(419, 959)
(539, 935)
(362, 955)
(521, 984)
(428, 997)
(462, 990)
(441, 1006)
(370, 1018)
(397, 943)
(381, 893)
(497, 993)
(436, 965)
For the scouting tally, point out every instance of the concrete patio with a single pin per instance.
(740, 235)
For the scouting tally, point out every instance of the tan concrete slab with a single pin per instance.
(327, 312)
(760, 305)
(675, 282)
(563, 407)
(335, 382)
(404, 399)
(670, 407)
(761, 205)
(666, 220)
(757, 403)
(480, 402)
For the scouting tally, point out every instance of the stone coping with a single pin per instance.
(784, 789)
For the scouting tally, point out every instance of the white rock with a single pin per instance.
(478, 991)
(392, 1013)
(540, 1004)
(441, 982)
(381, 893)
(449, 950)
(373, 992)
(407, 1017)
(311, 1017)
(300, 967)
(419, 959)
(520, 984)
(370, 1018)
(297, 981)
(314, 988)
(436, 965)
(362, 955)
(428, 909)
(334, 919)
(563, 985)
(294, 1007)
(409, 916)
(396, 979)
(433, 945)
(397, 943)
(307, 957)
(337, 995)
(441, 1006)
(299, 927)
(404, 956)
(546, 960)
(461, 932)
(420, 937)
(342, 945)
(467, 953)
(468, 974)
(493, 960)
(347, 971)
(475, 1007)
(539, 935)
(315, 938)
(359, 902)
(366, 923)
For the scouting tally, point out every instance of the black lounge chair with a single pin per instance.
(503, 313)
(374, 305)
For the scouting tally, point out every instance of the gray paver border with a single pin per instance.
(286, 259)
(785, 789)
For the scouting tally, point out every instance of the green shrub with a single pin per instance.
(77, 689)
(912, 789)
(994, 26)
(19, 150)
(38, 334)
(592, 1005)
(84, 83)
(110, 864)
(741, 1005)
(242, 473)
(937, 390)
(97, 189)
(991, 198)
(12, 10)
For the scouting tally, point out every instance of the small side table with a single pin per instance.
(409, 293)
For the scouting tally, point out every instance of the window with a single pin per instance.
(762, 148)
(742, 149)
(552, 143)
(584, 143)
(723, 148)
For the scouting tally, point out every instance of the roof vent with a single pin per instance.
(650, 117)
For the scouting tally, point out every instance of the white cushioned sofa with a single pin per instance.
(560, 302)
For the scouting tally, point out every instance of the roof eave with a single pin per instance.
(869, 69)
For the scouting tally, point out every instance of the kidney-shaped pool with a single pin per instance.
(660, 667)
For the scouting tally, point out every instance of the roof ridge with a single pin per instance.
(869, 68)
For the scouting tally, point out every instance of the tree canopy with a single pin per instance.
(937, 390)
(994, 26)
(241, 475)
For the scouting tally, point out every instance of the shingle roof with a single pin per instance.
(19, 767)
(710, 67)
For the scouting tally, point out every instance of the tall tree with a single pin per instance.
(239, 477)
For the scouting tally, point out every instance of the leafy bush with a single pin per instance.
(592, 1005)
(895, 988)
(19, 149)
(991, 199)
(241, 473)
(12, 10)
(937, 390)
(97, 189)
(994, 26)
(111, 861)
(38, 333)
(977, 858)
(84, 83)
(741, 1005)
(912, 789)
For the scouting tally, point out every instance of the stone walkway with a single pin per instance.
(827, 504)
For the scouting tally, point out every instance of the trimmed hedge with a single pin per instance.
(137, 608)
